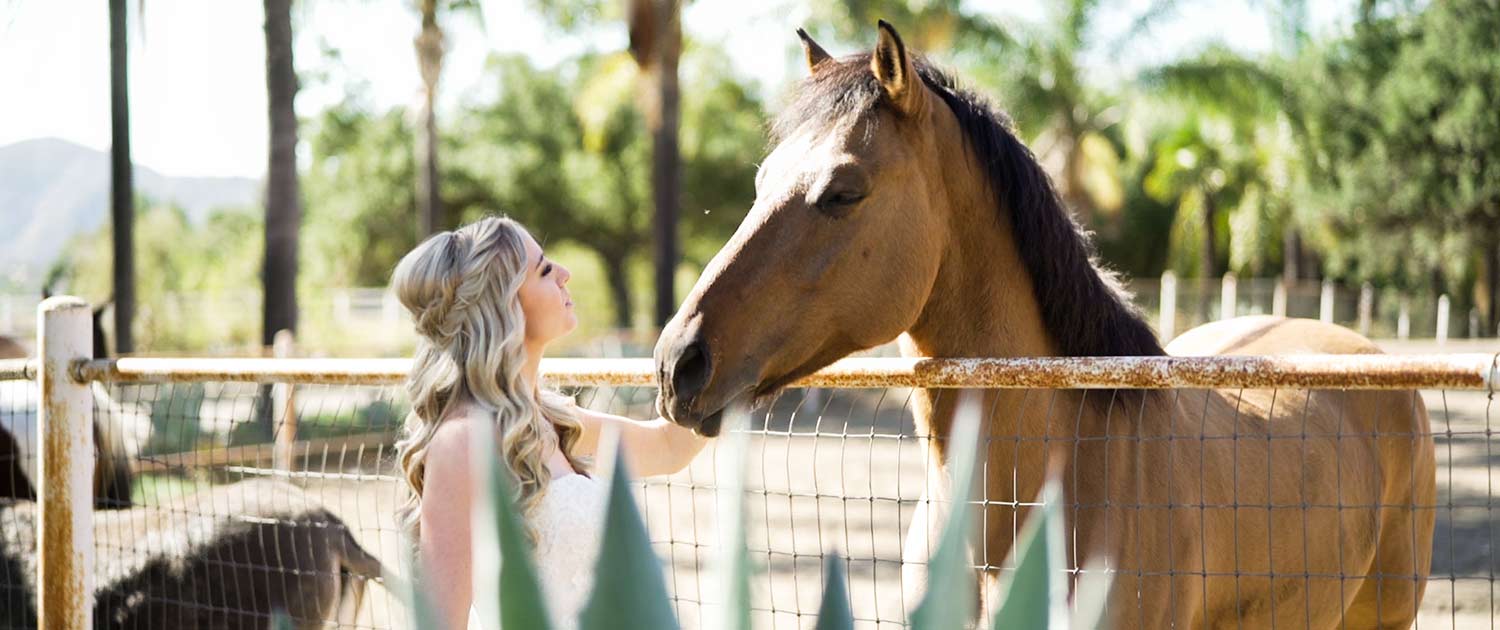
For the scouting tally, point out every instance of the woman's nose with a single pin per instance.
(565, 276)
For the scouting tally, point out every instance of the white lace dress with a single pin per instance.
(569, 524)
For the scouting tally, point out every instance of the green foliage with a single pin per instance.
(834, 612)
(1403, 151)
(208, 262)
(629, 591)
(564, 150)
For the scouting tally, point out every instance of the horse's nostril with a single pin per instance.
(691, 372)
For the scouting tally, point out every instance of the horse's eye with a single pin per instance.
(839, 202)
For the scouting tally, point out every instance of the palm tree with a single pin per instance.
(283, 194)
(122, 191)
(430, 48)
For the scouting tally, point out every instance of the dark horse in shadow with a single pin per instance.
(229, 557)
(114, 445)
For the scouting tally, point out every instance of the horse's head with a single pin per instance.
(840, 251)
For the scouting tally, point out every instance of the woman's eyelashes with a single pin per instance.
(546, 269)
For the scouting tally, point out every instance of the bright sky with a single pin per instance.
(197, 69)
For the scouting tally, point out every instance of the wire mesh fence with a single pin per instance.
(843, 469)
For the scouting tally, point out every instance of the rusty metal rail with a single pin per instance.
(18, 369)
(1435, 371)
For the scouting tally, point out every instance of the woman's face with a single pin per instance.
(544, 297)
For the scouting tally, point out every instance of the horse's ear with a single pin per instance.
(815, 53)
(893, 67)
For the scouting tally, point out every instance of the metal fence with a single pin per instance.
(835, 464)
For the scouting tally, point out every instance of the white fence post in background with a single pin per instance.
(283, 406)
(1166, 318)
(1325, 303)
(1442, 319)
(1403, 321)
(65, 525)
(1228, 291)
(1474, 323)
(389, 308)
(1366, 308)
(1278, 299)
(341, 307)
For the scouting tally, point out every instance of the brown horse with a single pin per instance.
(896, 204)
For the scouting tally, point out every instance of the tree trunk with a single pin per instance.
(656, 45)
(1210, 261)
(429, 45)
(283, 197)
(1491, 271)
(1291, 256)
(1074, 192)
(122, 190)
(618, 276)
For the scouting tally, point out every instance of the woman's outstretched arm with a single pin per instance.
(652, 447)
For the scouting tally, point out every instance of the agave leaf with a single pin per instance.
(734, 560)
(629, 590)
(423, 611)
(834, 613)
(502, 554)
(281, 621)
(1090, 597)
(948, 603)
(1037, 594)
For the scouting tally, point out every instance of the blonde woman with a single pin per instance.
(486, 301)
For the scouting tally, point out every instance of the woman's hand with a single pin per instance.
(652, 447)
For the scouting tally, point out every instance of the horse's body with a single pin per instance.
(229, 558)
(898, 205)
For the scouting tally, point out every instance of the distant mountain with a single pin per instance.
(51, 190)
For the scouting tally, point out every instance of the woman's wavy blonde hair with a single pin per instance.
(462, 290)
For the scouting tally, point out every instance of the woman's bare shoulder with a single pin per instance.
(454, 434)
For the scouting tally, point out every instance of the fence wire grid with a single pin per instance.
(829, 470)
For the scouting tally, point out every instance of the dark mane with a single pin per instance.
(1083, 307)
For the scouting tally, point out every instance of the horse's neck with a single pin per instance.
(983, 304)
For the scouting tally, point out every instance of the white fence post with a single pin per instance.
(390, 308)
(1325, 303)
(1366, 307)
(1403, 321)
(1474, 323)
(1442, 319)
(65, 525)
(341, 307)
(283, 406)
(1166, 318)
(1278, 299)
(1228, 291)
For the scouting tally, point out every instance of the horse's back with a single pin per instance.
(1269, 335)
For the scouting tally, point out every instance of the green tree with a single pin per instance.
(1401, 156)
(656, 46)
(564, 150)
(190, 266)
